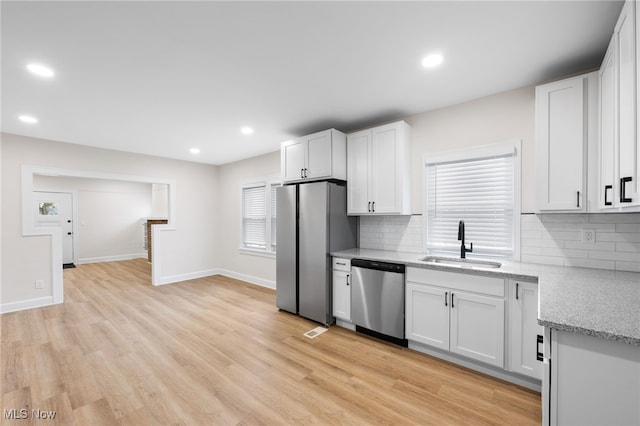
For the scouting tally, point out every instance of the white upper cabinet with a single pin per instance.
(619, 189)
(379, 170)
(563, 133)
(317, 156)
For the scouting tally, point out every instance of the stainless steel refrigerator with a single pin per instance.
(311, 222)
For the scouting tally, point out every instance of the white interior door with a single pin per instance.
(56, 209)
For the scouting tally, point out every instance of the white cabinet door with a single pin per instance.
(593, 381)
(477, 327)
(358, 146)
(628, 147)
(385, 169)
(319, 155)
(293, 159)
(342, 295)
(608, 125)
(524, 329)
(379, 170)
(427, 315)
(561, 145)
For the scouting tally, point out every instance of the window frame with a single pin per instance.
(513, 146)
(270, 183)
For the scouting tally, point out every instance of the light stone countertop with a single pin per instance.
(595, 302)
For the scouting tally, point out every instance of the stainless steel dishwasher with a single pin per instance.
(377, 299)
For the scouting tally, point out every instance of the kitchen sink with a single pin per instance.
(461, 263)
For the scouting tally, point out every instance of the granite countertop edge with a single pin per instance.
(561, 296)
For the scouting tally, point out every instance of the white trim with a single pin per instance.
(29, 228)
(21, 305)
(117, 258)
(257, 252)
(508, 376)
(511, 146)
(170, 279)
(248, 278)
(218, 271)
(74, 215)
(268, 182)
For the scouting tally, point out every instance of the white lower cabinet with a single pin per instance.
(460, 313)
(591, 381)
(525, 335)
(342, 288)
(477, 327)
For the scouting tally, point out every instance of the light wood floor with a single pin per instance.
(216, 351)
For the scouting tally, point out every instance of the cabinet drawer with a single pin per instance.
(341, 264)
(467, 282)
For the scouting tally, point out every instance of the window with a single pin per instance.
(482, 187)
(259, 217)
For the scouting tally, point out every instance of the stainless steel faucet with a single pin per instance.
(463, 250)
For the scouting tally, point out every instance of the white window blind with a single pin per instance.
(273, 215)
(479, 191)
(254, 218)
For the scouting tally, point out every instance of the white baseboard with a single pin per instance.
(48, 300)
(170, 279)
(112, 258)
(248, 278)
(523, 381)
(26, 304)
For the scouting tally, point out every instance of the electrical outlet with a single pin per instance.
(39, 284)
(589, 236)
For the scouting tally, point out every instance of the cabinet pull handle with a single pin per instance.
(305, 172)
(301, 173)
(369, 208)
(373, 206)
(577, 198)
(347, 279)
(446, 296)
(539, 354)
(341, 263)
(517, 285)
(623, 189)
(452, 300)
(606, 192)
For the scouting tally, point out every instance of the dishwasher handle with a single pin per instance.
(378, 266)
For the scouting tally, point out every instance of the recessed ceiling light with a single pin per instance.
(195, 151)
(246, 130)
(28, 119)
(432, 60)
(41, 70)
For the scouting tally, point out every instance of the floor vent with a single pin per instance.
(312, 334)
(68, 265)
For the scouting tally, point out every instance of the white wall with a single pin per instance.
(110, 218)
(258, 269)
(189, 251)
(484, 121)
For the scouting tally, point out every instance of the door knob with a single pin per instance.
(68, 233)
(69, 221)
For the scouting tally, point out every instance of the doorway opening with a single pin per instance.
(30, 227)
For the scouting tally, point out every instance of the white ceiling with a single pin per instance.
(160, 77)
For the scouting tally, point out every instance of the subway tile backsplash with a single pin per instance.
(396, 233)
(554, 239)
